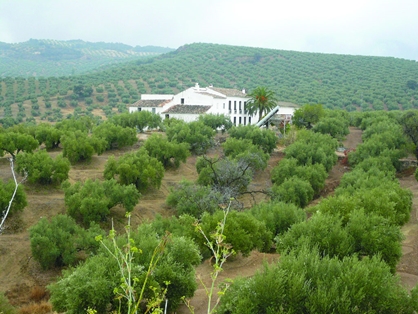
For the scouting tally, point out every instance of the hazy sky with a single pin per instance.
(364, 27)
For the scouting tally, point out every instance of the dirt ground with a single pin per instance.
(21, 278)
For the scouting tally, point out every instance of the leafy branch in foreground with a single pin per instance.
(221, 251)
(125, 259)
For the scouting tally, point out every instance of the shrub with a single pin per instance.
(293, 190)
(302, 282)
(56, 242)
(168, 153)
(196, 134)
(277, 216)
(115, 135)
(6, 192)
(242, 231)
(42, 168)
(94, 283)
(136, 168)
(190, 198)
(91, 201)
(266, 139)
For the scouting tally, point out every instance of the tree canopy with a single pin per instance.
(262, 100)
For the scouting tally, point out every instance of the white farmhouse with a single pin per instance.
(194, 101)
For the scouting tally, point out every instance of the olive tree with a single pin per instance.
(91, 201)
(42, 168)
(138, 168)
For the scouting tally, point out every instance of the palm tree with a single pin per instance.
(262, 100)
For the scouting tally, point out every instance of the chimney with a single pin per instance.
(196, 86)
(243, 90)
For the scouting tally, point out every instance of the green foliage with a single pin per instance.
(313, 148)
(6, 192)
(93, 283)
(303, 282)
(82, 90)
(375, 235)
(335, 127)
(288, 167)
(82, 123)
(47, 134)
(139, 120)
(41, 168)
(264, 138)
(89, 284)
(245, 150)
(308, 115)
(78, 146)
(5, 306)
(416, 174)
(57, 242)
(262, 100)
(14, 143)
(293, 190)
(277, 216)
(193, 199)
(409, 122)
(196, 134)
(388, 200)
(137, 168)
(216, 121)
(91, 201)
(368, 174)
(168, 153)
(325, 232)
(115, 135)
(242, 231)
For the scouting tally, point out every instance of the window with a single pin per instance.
(245, 120)
(239, 119)
(245, 107)
(239, 106)
(229, 105)
(223, 106)
(249, 120)
(235, 120)
(235, 105)
(167, 116)
(182, 101)
(139, 109)
(153, 110)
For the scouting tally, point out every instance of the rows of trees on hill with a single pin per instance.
(342, 258)
(63, 58)
(336, 81)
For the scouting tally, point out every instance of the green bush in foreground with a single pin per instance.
(57, 242)
(303, 282)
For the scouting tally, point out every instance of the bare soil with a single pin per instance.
(21, 278)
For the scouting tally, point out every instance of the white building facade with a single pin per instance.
(194, 101)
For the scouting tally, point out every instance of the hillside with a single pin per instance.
(62, 58)
(336, 81)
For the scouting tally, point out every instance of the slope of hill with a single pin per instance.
(59, 58)
(336, 81)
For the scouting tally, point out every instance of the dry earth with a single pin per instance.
(21, 277)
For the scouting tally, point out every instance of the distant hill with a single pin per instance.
(336, 81)
(43, 57)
